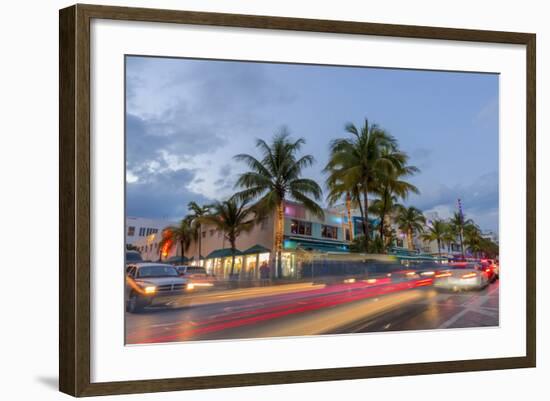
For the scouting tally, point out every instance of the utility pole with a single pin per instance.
(459, 204)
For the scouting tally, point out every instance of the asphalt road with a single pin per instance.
(308, 309)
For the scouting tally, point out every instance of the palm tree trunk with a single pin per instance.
(362, 217)
(439, 247)
(366, 219)
(182, 252)
(410, 239)
(383, 215)
(200, 242)
(279, 238)
(460, 235)
(233, 248)
(350, 223)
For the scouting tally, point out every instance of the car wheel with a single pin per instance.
(135, 303)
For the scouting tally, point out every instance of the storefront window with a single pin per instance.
(238, 265)
(329, 232)
(218, 267)
(300, 227)
(288, 264)
(209, 266)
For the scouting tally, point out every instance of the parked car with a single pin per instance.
(132, 257)
(152, 284)
(196, 275)
(461, 276)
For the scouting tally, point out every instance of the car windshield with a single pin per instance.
(133, 257)
(157, 271)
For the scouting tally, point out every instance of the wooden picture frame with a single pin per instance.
(75, 208)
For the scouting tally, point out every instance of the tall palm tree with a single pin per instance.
(391, 184)
(233, 217)
(458, 222)
(356, 163)
(472, 238)
(181, 234)
(195, 218)
(436, 232)
(450, 235)
(410, 220)
(275, 177)
(383, 208)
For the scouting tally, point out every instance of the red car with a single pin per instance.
(490, 269)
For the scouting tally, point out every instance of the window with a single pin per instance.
(348, 237)
(131, 231)
(329, 232)
(300, 227)
(212, 232)
(141, 231)
(204, 234)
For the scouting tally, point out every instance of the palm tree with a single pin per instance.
(181, 234)
(436, 232)
(233, 217)
(458, 223)
(276, 177)
(410, 220)
(356, 164)
(449, 237)
(195, 218)
(489, 248)
(382, 208)
(391, 184)
(472, 238)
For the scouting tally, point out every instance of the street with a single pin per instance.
(313, 309)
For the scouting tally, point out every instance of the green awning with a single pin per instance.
(314, 245)
(223, 253)
(256, 249)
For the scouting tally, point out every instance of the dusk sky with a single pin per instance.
(186, 119)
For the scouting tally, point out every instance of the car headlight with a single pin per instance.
(150, 289)
(190, 286)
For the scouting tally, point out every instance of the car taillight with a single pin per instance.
(469, 275)
(446, 274)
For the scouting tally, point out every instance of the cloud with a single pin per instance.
(161, 195)
(152, 139)
(479, 199)
(184, 119)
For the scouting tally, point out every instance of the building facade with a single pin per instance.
(138, 228)
(303, 233)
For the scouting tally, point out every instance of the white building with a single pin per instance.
(139, 227)
(431, 216)
(490, 235)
